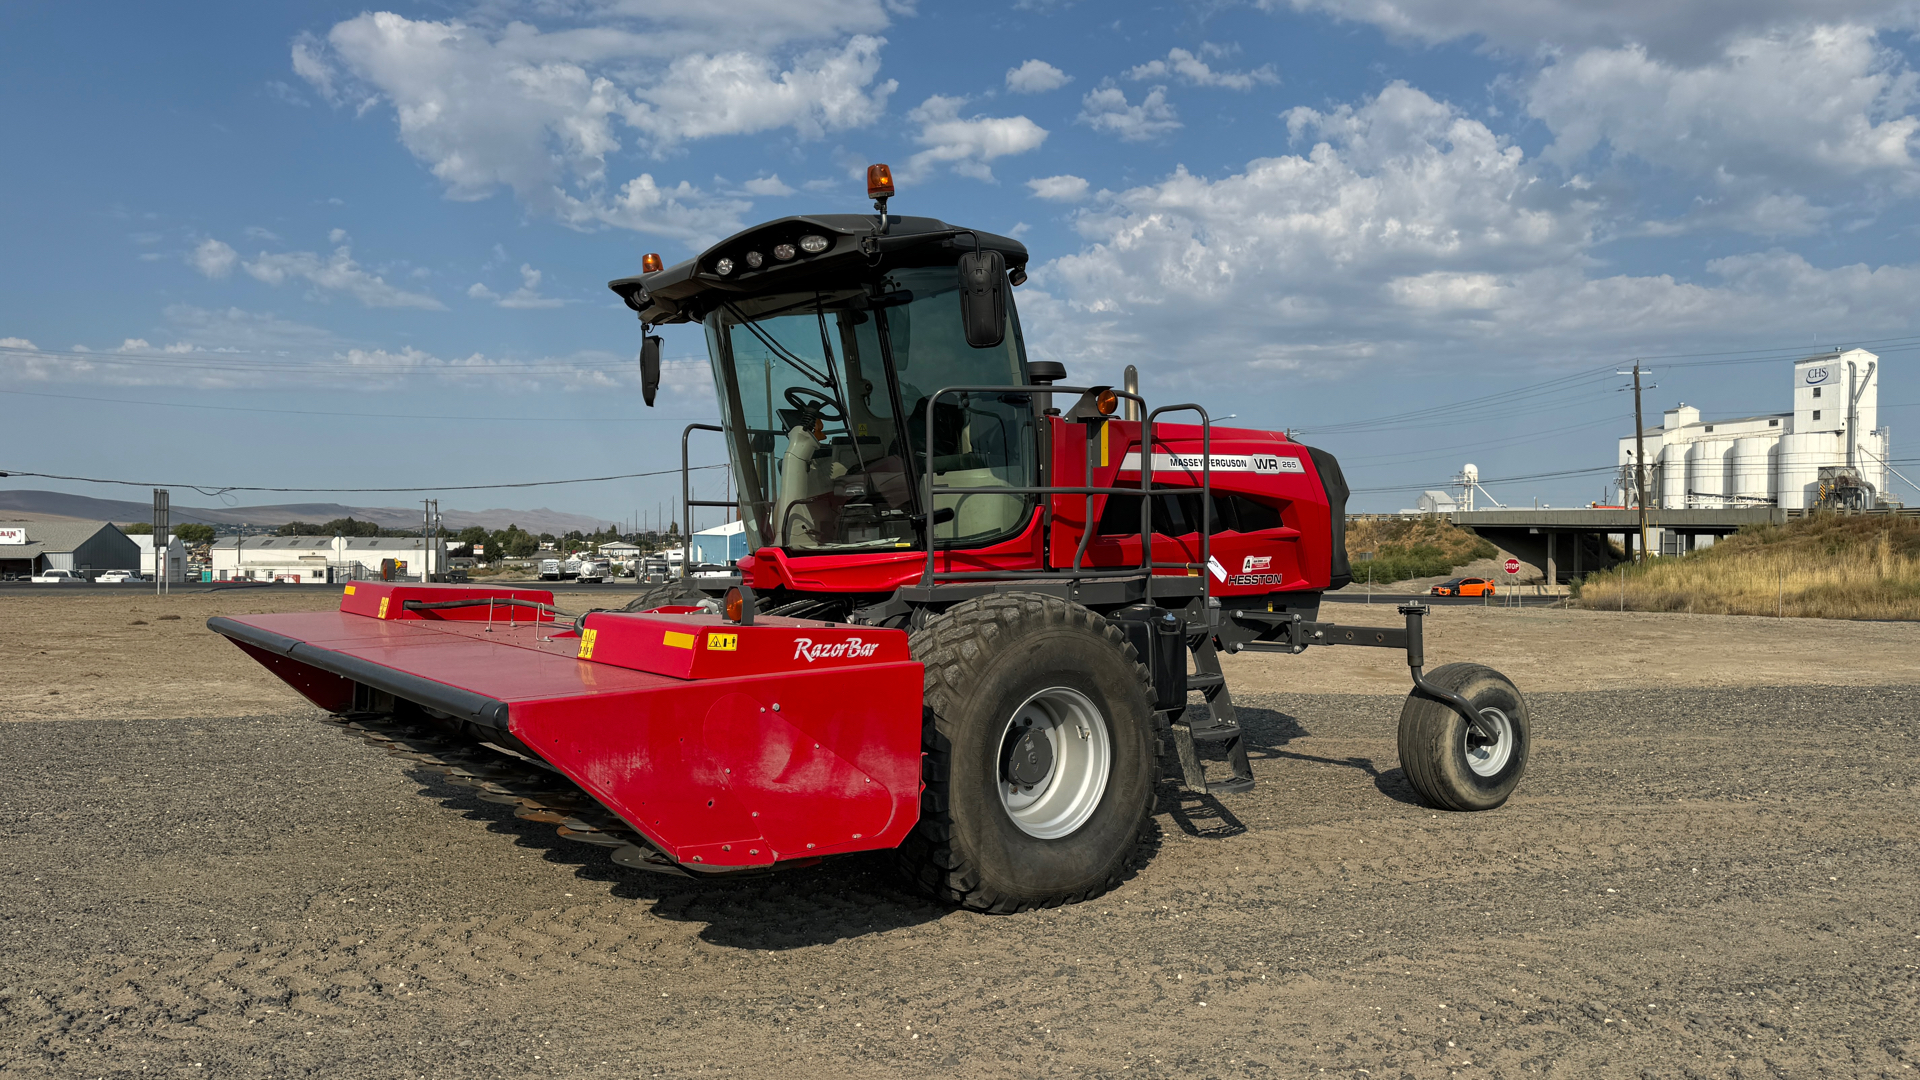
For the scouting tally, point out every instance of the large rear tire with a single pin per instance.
(1039, 762)
(1450, 765)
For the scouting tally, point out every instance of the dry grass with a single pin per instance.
(1825, 567)
(1410, 548)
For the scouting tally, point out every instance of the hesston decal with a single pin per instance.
(851, 649)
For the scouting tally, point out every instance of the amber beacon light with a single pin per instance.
(650, 263)
(879, 182)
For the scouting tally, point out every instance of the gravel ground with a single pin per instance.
(1690, 883)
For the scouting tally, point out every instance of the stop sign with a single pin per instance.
(1513, 566)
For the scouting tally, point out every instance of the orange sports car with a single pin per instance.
(1463, 586)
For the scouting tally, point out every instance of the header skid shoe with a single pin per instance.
(725, 747)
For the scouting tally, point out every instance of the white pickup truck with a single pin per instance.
(58, 577)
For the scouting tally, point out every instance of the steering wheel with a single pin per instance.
(807, 399)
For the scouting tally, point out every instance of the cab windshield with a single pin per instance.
(814, 410)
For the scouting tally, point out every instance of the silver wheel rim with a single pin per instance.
(1487, 757)
(1062, 800)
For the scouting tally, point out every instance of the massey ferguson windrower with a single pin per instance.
(978, 610)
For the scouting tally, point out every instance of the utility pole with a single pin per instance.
(1640, 458)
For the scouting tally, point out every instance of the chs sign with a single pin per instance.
(1817, 375)
(13, 536)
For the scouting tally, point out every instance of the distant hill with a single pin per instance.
(61, 504)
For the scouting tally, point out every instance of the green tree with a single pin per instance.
(303, 528)
(347, 526)
(194, 533)
(138, 528)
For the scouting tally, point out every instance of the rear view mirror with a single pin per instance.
(649, 368)
(983, 298)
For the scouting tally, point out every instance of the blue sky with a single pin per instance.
(335, 232)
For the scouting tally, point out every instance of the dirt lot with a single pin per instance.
(1710, 871)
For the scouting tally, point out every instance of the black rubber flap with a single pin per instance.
(1335, 483)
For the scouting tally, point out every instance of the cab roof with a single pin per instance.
(856, 250)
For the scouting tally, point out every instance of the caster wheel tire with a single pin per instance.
(1451, 765)
(1039, 760)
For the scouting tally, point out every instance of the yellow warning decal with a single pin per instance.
(677, 640)
(383, 606)
(586, 643)
(1103, 446)
(349, 590)
(723, 642)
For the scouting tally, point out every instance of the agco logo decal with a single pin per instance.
(851, 649)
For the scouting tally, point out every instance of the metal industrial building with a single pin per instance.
(32, 545)
(174, 558)
(1831, 447)
(323, 558)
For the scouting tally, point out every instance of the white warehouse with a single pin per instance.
(302, 559)
(1821, 453)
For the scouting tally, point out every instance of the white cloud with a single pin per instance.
(336, 236)
(1804, 107)
(1059, 188)
(232, 348)
(526, 297)
(1106, 109)
(287, 95)
(541, 112)
(1404, 232)
(1687, 31)
(1036, 77)
(255, 232)
(967, 145)
(336, 273)
(1190, 69)
(767, 186)
(213, 258)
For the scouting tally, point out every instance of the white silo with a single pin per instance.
(1670, 476)
(1751, 468)
(1707, 473)
(1797, 472)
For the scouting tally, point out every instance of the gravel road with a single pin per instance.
(1690, 883)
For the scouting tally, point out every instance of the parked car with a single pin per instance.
(1463, 586)
(118, 577)
(58, 577)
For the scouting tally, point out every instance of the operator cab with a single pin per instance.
(829, 336)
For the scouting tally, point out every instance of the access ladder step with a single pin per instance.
(1223, 733)
(1231, 786)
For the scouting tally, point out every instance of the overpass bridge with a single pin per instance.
(1572, 543)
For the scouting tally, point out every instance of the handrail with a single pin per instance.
(687, 502)
(1145, 491)
(1206, 488)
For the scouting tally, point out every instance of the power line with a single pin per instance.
(370, 415)
(281, 363)
(223, 489)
